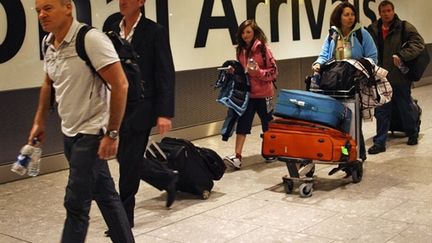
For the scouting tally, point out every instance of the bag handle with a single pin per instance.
(152, 152)
(304, 104)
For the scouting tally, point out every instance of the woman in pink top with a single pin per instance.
(257, 59)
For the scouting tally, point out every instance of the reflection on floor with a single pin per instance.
(393, 202)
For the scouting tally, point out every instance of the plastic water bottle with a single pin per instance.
(315, 81)
(403, 68)
(23, 160)
(34, 166)
(252, 64)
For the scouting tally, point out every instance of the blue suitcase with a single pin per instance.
(313, 107)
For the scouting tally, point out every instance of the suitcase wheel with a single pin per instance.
(306, 189)
(205, 195)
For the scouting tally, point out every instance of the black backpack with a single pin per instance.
(128, 59)
(418, 65)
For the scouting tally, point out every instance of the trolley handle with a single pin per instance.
(336, 93)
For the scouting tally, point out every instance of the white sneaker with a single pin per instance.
(234, 161)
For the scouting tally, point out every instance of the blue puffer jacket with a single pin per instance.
(366, 49)
(234, 94)
(234, 88)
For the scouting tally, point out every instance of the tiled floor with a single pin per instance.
(393, 202)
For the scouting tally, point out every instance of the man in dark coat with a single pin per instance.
(390, 34)
(151, 42)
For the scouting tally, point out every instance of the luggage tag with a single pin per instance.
(269, 104)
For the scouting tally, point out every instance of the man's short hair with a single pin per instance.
(385, 3)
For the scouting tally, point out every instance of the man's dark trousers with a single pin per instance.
(90, 178)
(134, 167)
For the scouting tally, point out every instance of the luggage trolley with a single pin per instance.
(302, 170)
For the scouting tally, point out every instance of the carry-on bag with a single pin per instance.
(307, 140)
(195, 175)
(214, 162)
(396, 122)
(309, 106)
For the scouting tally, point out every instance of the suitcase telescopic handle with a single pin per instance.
(152, 152)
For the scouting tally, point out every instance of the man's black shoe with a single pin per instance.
(107, 233)
(376, 149)
(412, 140)
(171, 189)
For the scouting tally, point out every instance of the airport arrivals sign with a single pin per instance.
(202, 32)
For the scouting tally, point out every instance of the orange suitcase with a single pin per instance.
(306, 140)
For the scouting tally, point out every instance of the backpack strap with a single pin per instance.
(44, 45)
(403, 34)
(80, 49)
(358, 35)
(264, 57)
(44, 48)
(263, 54)
(80, 45)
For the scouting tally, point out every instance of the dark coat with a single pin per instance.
(392, 45)
(150, 40)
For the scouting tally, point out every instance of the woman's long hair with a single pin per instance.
(258, 35)
(335, 18)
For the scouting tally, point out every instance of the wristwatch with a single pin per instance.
(113, 134)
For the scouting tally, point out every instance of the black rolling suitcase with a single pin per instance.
(396, 122)
(195, 176)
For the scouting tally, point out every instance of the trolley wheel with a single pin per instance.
(357, 172)
(306, 189)
(288, 185)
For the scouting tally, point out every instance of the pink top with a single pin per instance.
(262, 83)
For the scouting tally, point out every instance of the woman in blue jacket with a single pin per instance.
(347, 39)
(343, 41)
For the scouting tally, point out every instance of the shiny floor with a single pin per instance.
(393, 202)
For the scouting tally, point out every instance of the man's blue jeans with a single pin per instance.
(408, 114)
(90, 179)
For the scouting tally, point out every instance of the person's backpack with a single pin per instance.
(418, 65)
(128, 59)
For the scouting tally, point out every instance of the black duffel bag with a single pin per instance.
(337, 75)
(214, 162)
